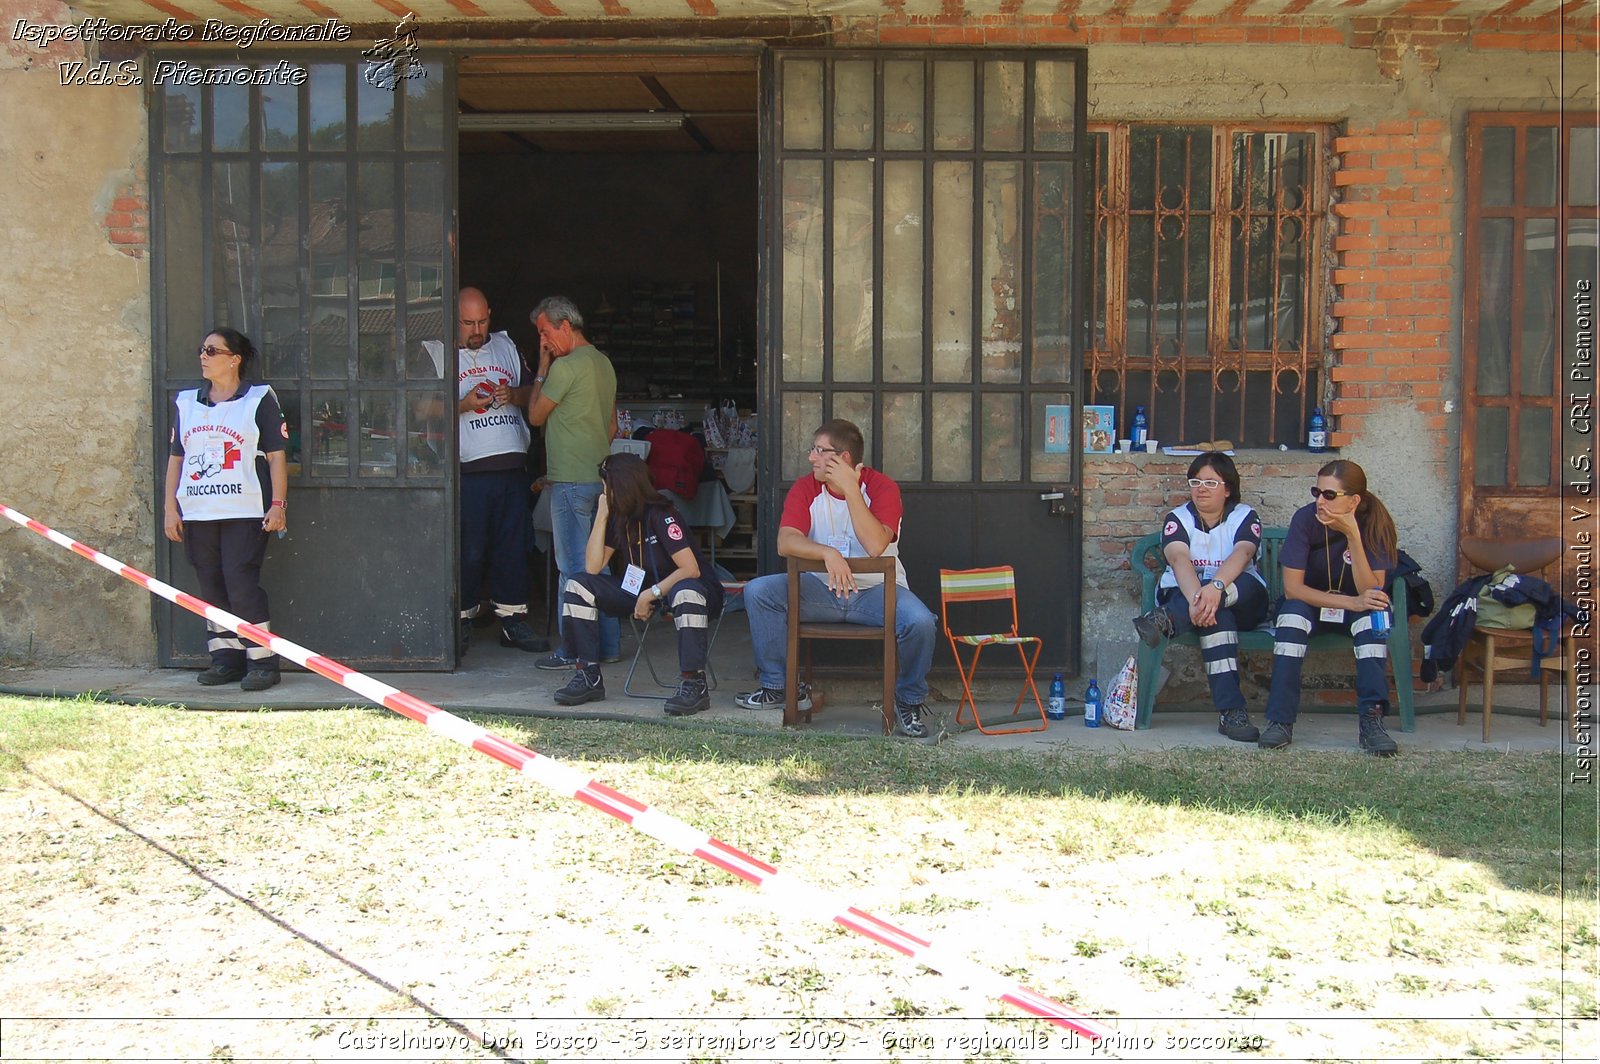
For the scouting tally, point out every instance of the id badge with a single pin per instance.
(1332, 615)
(215, 453)
(840, 544)
(633, 579)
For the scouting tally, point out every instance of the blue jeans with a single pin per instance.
(572, 509)
(766, 600)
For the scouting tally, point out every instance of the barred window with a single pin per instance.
(1207, 300)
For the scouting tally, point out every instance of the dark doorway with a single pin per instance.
(629, 183)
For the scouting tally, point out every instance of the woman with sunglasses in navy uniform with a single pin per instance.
(1336, 560)
(1212, 585)
(227, 491)
(639, 532)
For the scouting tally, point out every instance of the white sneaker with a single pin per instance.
(771, 698)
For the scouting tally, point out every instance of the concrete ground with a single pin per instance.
(494, 679)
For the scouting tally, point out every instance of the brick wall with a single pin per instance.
(127, 219)
(1393, 277)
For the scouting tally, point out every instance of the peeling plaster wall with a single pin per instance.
(74, 361)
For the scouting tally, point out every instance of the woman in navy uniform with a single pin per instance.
(638, 530)
(1212, 585)
(227, 492)
(1336, 560)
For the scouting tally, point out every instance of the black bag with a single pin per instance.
(1419, 593)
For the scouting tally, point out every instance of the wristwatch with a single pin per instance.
(1219, 585)
(656, 590)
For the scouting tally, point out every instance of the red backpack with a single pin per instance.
(676, 460)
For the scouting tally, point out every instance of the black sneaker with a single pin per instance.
(692, 696)
(586, 685)
(556, 662)
(772, 698)
(908, 720)
(1277, 735)
(260, 679)
(514, 632)
(1373, 738)
(1235, 724)
(1153, 627)
(218, 675)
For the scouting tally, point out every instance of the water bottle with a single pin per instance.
(1058, 700)
(1141, 428)
(1380, 623)
(1317, 433)
(1091, 705)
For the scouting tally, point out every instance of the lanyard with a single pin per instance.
(1327, 556)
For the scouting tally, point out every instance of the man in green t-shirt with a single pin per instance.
(575, 399)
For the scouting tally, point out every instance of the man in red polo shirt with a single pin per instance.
(840, 510)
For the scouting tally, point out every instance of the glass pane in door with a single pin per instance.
(952, 436)
(1054, 105)
(853, 270)
(802, 104)
(1494, 305)
(952, 281)
(1540, 307)
(903, 125)
(953, 103)
(902, 282)
(802, 238)
(1001, 293)
(901, 445)
(1583, 167)
(852, 105)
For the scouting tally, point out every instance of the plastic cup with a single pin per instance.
(1124, 446)
(1149, 446)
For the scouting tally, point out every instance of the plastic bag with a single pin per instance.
(1122, 697)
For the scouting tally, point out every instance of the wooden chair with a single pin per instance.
(1492, 650)
(809, 631)
(997, 584)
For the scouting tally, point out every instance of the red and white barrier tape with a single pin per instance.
(789, 893)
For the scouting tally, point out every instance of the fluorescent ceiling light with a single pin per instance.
(571, 122)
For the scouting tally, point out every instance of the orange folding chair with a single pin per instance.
(963, 586)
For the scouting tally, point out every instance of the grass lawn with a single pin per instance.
(309, 885)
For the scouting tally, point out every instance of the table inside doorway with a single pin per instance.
(709, 510)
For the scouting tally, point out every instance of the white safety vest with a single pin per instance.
(498, 429)
(1209, 549)
(220, 444)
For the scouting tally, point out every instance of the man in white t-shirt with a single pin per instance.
(496, 516)
(841, 509)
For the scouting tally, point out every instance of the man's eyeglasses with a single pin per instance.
(1328, 494)
(1193, 483)
(817, 448)
(213, 350)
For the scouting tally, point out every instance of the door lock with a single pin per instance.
(1059, 501)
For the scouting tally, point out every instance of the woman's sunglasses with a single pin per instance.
(1328, 494)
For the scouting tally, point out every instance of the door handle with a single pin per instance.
(1059, 501)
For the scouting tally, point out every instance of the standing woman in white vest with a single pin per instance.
(227, 492)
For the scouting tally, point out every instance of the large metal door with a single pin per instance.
(926, 237)
(1527, 336)
(316, 218)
